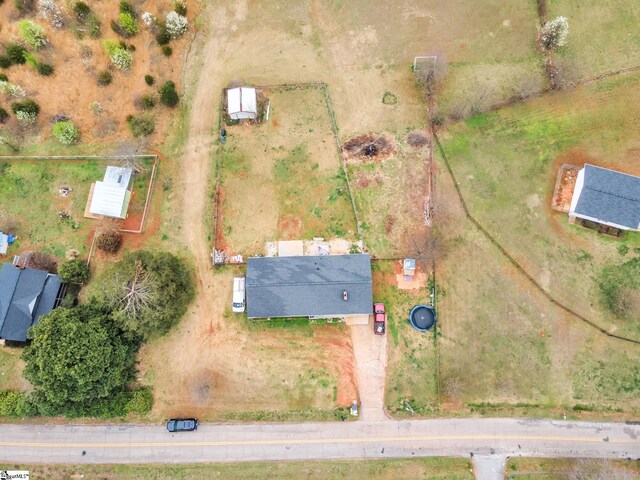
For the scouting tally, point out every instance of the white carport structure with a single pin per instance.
(242, 103)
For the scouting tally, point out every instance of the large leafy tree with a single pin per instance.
(77, 357)
(147, 292)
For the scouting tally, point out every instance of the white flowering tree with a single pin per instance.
(176, 24)
(49, 10)
(553, 34)
(120, 57)
(149, 20)
(11, 89)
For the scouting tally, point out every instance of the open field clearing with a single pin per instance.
(282, 180)
(424, 468)
(30, 199)
(567, 469)
(502, 341)
(411, 367)
(507, 162)
(78, 88)
(602, 35)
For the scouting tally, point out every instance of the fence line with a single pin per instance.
(343, 160)
(147, 200)
(155, 156)
(73, 157)
(512, 260)
(216, 209)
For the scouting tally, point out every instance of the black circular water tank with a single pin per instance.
(422, 317)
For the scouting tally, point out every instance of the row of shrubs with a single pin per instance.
(16, 54)
(125, 403)
(67, 133)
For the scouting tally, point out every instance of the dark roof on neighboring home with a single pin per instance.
(25, 295)
(610, 197)
(309, 286)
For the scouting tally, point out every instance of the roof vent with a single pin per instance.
(345, 295)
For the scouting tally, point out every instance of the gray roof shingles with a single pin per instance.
(309, 286)
(610, 196)
(25, 295)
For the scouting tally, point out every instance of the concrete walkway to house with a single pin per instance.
(370, 353)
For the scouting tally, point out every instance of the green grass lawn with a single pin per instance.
(424, 468)
(10, 369)
(603, 36)
(570, 468)
(503, 342)
(29, 194)
(506, 164)
(411, 366)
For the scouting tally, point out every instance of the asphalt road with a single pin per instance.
(212, 443)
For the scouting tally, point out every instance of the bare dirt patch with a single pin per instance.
(289, 227)
(370, 148)
(418, 139)
(563, 193)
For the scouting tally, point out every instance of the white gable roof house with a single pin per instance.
(242, 103)
(111, 196)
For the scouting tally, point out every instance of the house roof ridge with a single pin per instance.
(613, 194)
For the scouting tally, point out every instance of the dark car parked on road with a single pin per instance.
(182, 424)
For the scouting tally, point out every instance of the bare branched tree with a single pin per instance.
(8, 223)
(38, 261)
(109, 224)
(137, 292)
(128, 152)
(432, 74)
(528, 85)
(479, 101)
(423, 244)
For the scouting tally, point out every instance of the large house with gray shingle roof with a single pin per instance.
(25, 295)
(327, 286)
(607, 197)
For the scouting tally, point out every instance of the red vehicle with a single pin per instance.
(379, 319)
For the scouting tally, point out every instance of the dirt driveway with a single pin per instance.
(370, 352)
